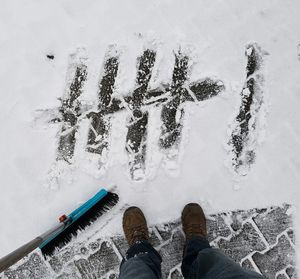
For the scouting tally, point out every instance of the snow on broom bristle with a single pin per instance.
(81, 223)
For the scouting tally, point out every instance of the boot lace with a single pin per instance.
(195, 229)
(138, 233)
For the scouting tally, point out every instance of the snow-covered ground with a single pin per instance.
(35, 189)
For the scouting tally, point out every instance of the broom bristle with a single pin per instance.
(81, 223)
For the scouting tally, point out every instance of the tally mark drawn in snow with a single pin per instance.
(248, 123)
(168, 98)
(70, 110)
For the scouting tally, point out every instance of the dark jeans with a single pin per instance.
(199, 261)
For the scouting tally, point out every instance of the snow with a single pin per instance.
(35, 189)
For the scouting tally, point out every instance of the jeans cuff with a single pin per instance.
(201, 240)
(196, 244)
(140, 247)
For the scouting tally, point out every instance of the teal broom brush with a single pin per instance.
(67, 228)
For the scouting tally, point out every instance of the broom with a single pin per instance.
(68, 227)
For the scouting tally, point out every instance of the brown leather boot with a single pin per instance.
(135, 225)
(193, 221)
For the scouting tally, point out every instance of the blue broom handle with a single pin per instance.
(74, 215)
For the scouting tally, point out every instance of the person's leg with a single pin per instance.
(194, 227)
(142, 260)
(213, 263)
(199, 259)
(190, 253)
